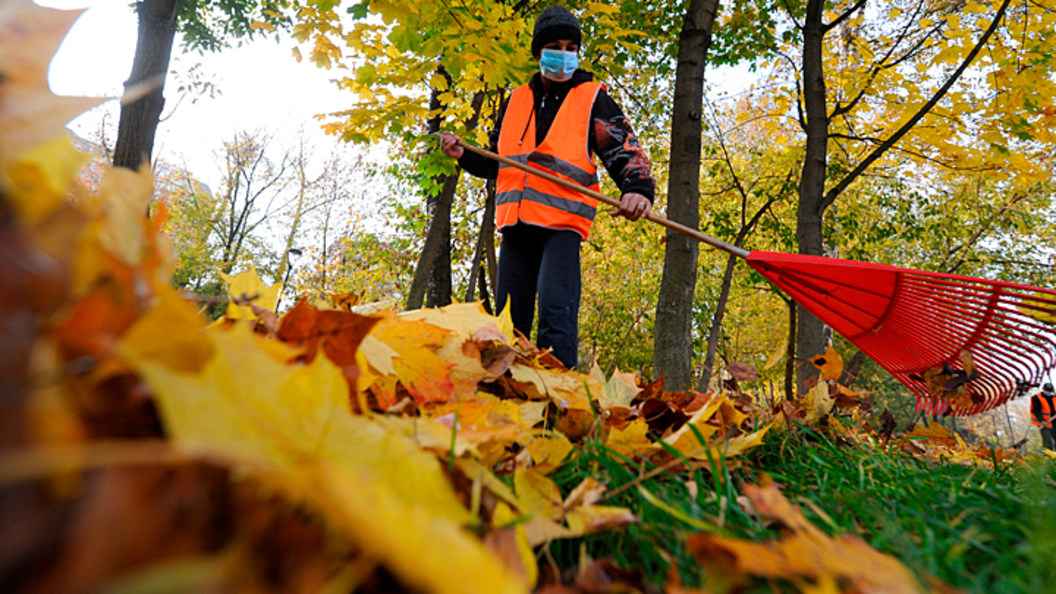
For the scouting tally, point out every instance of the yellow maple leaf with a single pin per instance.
(525, 564)
(830, 364)
(418, 368)
(539, 497)
(686, 439)
(631, 441)
(185, 347)
(463, 319)
(566, 389)
(40, 177)
(247, 286)
(618, 390)
(549, 452)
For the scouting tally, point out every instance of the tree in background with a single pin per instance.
(945, 84)
(672, 341)
(206, 26)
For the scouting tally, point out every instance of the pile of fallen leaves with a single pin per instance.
(339, 446)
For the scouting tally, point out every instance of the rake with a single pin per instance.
(962, 345)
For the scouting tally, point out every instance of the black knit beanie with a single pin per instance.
(555, 23)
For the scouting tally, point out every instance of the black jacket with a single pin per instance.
(611, 137)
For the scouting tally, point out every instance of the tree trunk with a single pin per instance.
(810, 331)
(439, 293)
(144, 90)
(487, 230)
(716, 325)
(489, 245)
(790, 355)
(438, 227)
(672, 338)
(853, 369)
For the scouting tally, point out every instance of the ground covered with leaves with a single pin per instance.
(347, 447)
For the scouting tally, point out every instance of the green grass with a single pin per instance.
(974, 528)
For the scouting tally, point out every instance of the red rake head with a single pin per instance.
(963, 345)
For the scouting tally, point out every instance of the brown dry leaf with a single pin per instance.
(337, 333)
(968, 364)
(488, 345)
(830, 364)
(575, 423)
(805, 553)
(742, 372)
(846, 397)
(345, 300)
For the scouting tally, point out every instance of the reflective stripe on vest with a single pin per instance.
(1047, 410)
(565, 152)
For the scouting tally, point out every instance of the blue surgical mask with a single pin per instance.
(558, 64)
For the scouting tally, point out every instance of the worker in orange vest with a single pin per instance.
(556, 123)
(1043, 413)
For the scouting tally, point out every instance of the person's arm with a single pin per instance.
(1035, 407)
(474, 164)
(622, 156)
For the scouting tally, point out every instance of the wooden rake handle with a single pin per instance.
(713, 242)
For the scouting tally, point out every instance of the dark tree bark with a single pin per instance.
(479, 268)
(489, 241)
(853, 369)
(439, 229)
(672, 339)
(144, 90)
(810, 330)
(439, 293)
(790, 354)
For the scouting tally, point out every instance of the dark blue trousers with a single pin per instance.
(545, 261)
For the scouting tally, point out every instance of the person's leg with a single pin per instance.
(559, 290)
(519, 259)
(1047, 439)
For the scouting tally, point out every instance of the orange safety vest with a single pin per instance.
(1047, 410)
(520, 196)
